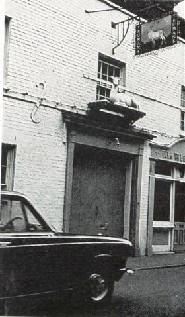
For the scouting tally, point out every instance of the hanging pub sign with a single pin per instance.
(156, 34)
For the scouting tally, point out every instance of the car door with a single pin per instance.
(24, 242)
(64, 260)
(41, 260)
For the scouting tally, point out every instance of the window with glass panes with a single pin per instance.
(7, 166)
(4, 152)
(183, 120)
(6, 46)
(183, 96)
(108, 68)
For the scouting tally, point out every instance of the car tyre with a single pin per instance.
(100, 290)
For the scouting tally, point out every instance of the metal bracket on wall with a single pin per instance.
(97, 11)
(34, 112)
(124, 30)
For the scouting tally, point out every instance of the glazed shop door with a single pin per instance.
(97, 192)
(179, 230)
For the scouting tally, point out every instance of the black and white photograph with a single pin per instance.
(92, 220)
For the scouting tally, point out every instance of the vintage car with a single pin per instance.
(36, 260)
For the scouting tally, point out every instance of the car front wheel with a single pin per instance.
(100, 289)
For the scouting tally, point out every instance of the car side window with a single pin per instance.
(12, 217)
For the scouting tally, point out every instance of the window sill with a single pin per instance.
(182, 133)
(181, 39)
(163, 224)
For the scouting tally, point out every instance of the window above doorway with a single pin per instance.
(108, 69)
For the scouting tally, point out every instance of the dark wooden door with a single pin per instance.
(97, 192)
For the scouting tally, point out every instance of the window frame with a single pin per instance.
(182, 120)
(183, 96)
(104, 83)
(25, 208)
(182, 110)
(181, 23)
(10, 166)
(168, 180)
(169, 225)
(7, 23)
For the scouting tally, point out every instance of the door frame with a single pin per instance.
(175, 245)
(127, 144)
(166, 225)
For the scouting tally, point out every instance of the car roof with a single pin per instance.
(16, 195)
(13, 194)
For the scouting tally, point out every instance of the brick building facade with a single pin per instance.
(89, 172)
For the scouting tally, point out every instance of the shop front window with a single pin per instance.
(180, 202)
(180, 172)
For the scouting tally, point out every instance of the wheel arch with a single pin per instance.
(104, 264)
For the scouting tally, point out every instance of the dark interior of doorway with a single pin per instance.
(180, 202)
(179, 217)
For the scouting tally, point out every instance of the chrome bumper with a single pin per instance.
(126, 270)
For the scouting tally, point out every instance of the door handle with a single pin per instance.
(5, 243)
(103, 228)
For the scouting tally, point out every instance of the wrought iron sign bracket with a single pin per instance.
(125, 31)
(97, 11)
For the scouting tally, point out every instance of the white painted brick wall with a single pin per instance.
(57, 42)
(40, 156)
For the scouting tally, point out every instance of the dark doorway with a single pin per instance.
(98, 192)
(179, 231)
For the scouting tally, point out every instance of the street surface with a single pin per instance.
(153, 293)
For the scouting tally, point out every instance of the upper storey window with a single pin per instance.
(183, 96)
(6, 45)
(182, 120)
(182, 124)
(108, 69)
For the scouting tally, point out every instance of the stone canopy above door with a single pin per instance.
(116, 113)
(84, 129)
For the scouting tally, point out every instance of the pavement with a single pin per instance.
(156, 261)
